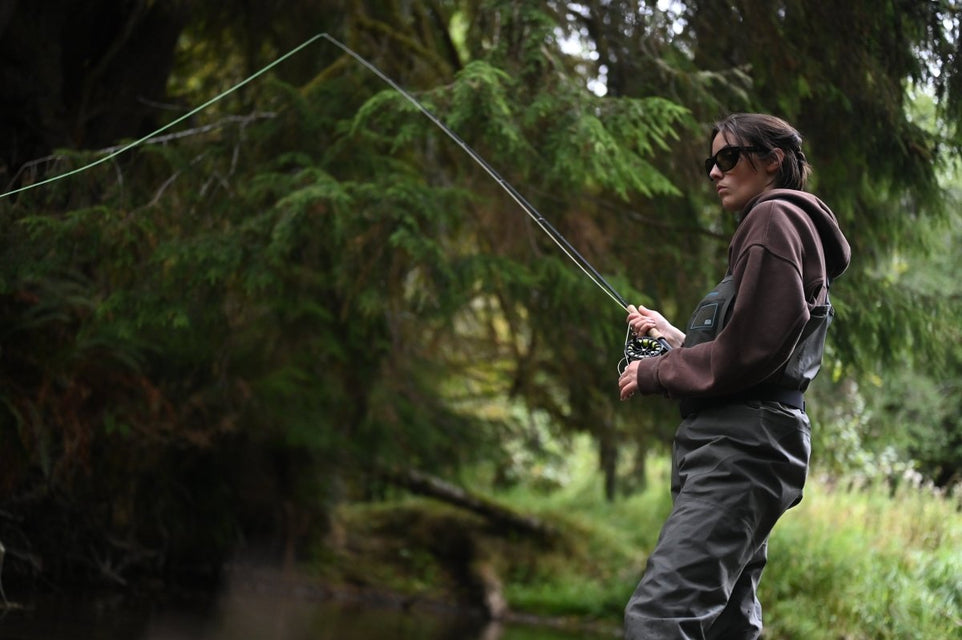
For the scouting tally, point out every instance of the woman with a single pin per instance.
(749, 351)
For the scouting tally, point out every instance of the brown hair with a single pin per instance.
(768, 133)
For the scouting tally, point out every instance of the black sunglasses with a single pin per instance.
(727, 158)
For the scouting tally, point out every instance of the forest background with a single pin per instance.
(306, 299)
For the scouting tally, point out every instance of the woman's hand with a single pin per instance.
(644, 321)
(628, 382)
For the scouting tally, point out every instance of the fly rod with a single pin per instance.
(528, 208)
(636, 347)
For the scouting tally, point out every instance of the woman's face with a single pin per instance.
(743, 181)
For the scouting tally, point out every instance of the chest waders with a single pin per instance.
(738, 463)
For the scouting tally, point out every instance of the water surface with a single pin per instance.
(252, 616)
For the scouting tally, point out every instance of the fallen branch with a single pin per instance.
(499, 515)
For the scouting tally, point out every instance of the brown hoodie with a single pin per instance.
(786, 245)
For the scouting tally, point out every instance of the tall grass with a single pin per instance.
(867, 562)
(852, 562)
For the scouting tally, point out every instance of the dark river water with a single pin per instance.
(253, 617)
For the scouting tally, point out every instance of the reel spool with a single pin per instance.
(641, 347)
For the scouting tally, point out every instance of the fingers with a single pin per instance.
(642, 325)
(637, 312)
(627, 382)
(646, 322)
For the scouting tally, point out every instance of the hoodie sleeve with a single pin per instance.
(767, 261)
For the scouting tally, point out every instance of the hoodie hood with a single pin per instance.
(838, 253)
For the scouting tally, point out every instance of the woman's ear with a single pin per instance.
(777, 157)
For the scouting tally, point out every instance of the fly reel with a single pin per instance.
(641, 347)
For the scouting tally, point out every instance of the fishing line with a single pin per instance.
(187, 115)
(633, 349)
(546, 226)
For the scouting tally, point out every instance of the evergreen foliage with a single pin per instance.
(239, 326)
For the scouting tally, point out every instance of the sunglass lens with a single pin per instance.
(727, 158)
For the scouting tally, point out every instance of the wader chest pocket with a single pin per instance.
(705, 317)
(711, 314)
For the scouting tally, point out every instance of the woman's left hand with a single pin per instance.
(628, 382)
